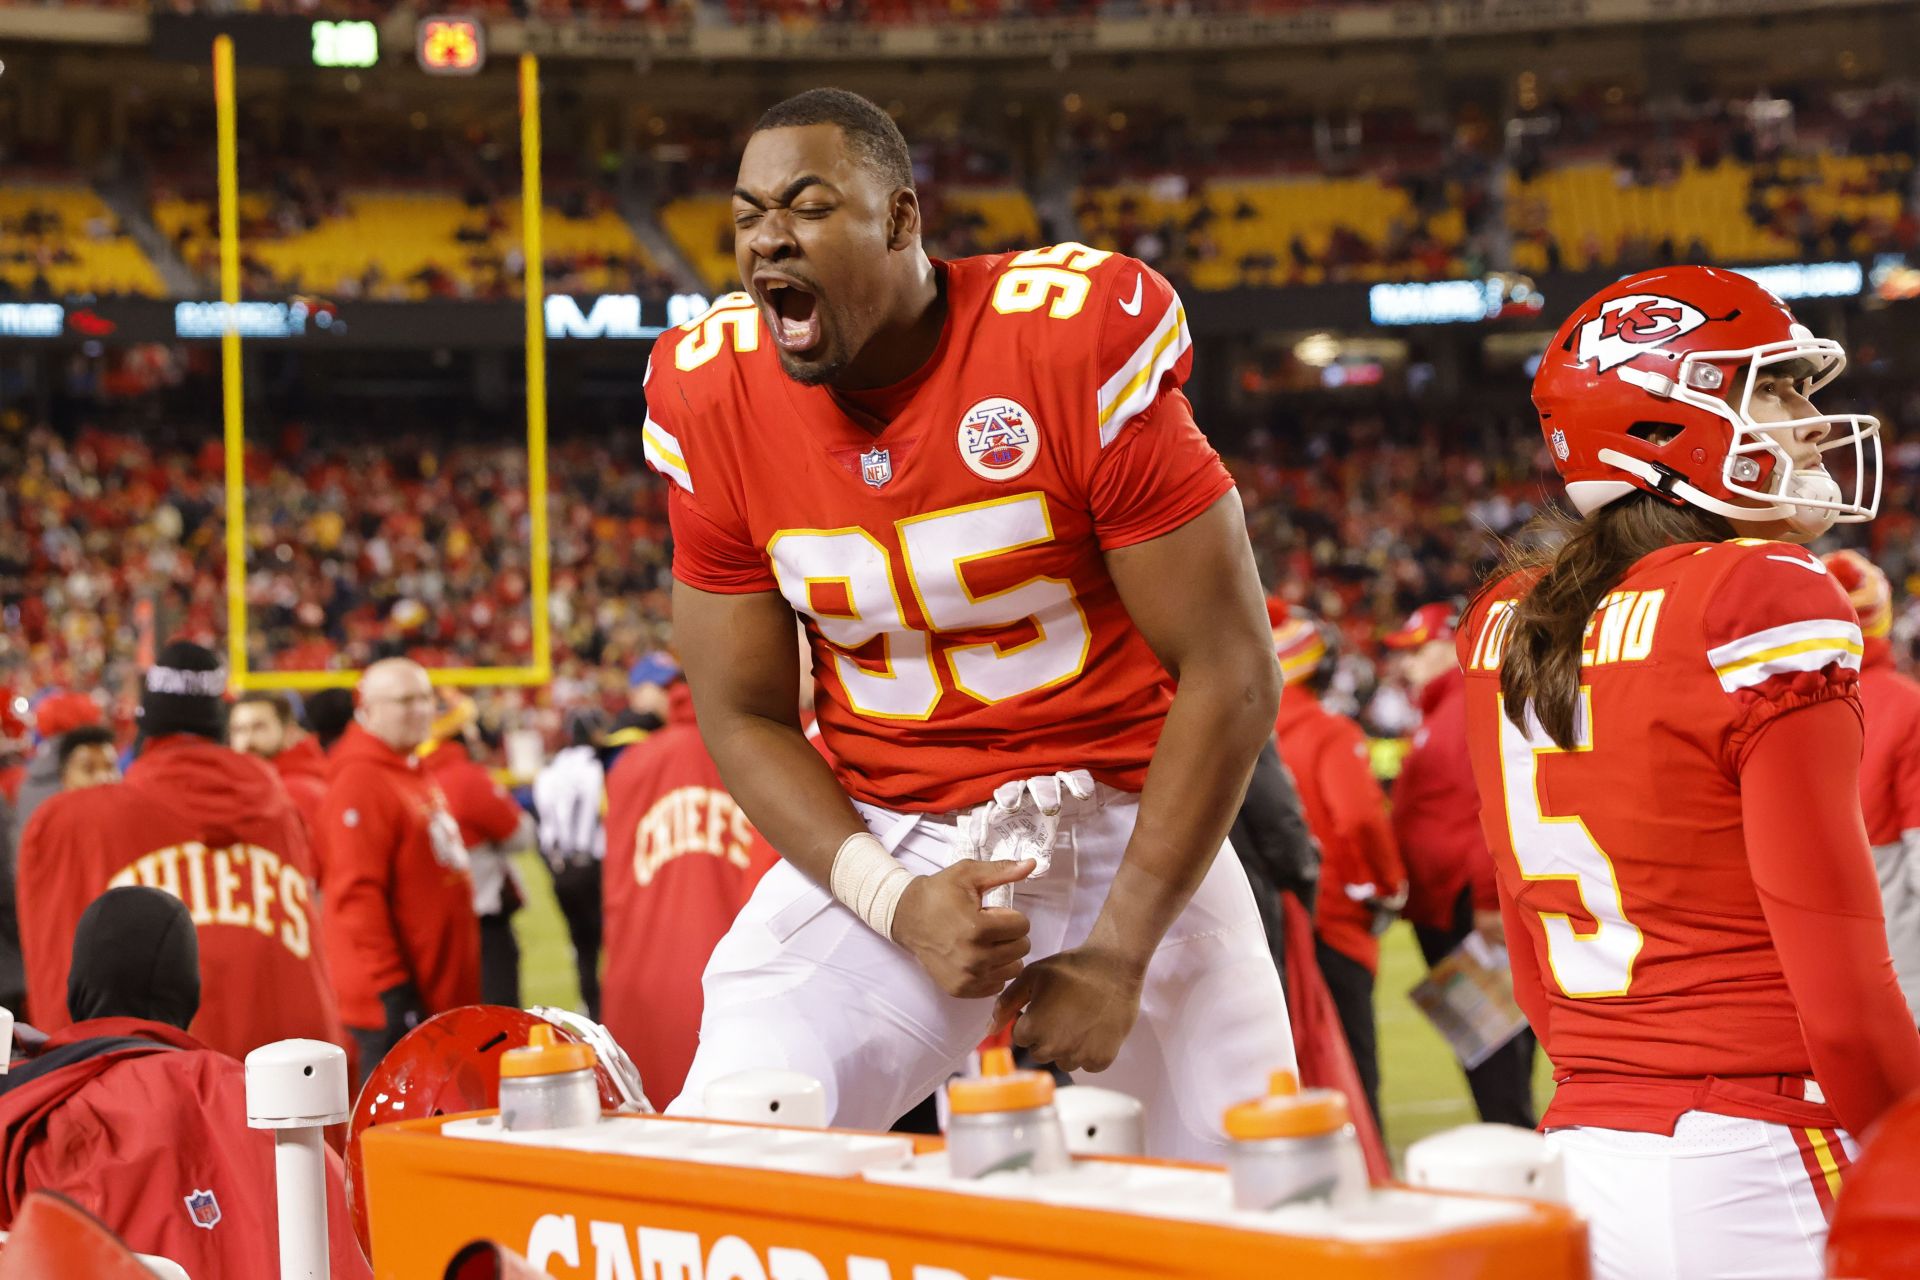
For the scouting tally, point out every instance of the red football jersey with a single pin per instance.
(949, 568)
(1625, 858)
(682, 859)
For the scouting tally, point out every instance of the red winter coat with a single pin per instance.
(399, 899)
(303, 770)
(214, 828)
(681, 861)
(135, 1134)
(1890, 762)
(1347, 813)
(482, 807)
(1436, 811)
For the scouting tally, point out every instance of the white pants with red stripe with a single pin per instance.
(800, 983)
(1722, 1199)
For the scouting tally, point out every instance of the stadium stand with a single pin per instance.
(60, 238)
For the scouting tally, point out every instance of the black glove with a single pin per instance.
(405, 1011)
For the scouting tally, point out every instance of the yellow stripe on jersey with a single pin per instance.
(1130, 390)
(1828, 1165)
(663, 451)
(1840, 646)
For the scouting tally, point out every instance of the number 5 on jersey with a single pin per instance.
(1585, 965)
(843, 579)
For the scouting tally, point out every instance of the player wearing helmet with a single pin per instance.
(980, 487)
(1665, 731)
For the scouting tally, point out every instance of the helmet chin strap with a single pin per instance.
(1667, 482)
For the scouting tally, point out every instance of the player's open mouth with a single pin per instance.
(793, 313)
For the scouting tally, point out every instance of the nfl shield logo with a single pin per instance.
(876, 467)
(203, 1208)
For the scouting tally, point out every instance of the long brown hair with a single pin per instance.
(1541, 666)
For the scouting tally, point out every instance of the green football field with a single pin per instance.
(1421, 1088)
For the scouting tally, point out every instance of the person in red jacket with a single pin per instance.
(1889, 764)
(491, 825)
(1362, 882)
(1436, 820)
(262, 724)
(208, 825)
(142, 1124)
(399, 920)
(681, 861)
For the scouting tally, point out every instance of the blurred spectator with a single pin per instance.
(1436, 818)
(569, 795)
(122, 1107)
(681, 861)
(1889, 764)
(208, 825)
(88, 758)
(262, 724)
(329, 712)
(52, 718)
(1362, 882)
(399, 919)
(492, 827)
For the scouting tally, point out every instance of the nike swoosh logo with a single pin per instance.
(1811, 566)
(1133, 308)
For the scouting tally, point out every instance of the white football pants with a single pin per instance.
(801, 983)
(1722, 1199)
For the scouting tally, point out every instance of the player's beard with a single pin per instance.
(817, 372)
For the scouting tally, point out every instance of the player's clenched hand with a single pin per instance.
(1079, 1006)
(969, 950)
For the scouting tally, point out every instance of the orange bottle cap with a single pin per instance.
(545, 1054)
(999, 1087)
(1288, 1111)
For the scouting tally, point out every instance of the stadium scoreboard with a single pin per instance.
(451, 45)
(267, 40)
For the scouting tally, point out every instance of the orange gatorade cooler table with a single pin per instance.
(652, 1198)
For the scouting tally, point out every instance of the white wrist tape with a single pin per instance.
(867, 879)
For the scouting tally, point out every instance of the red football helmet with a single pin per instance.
(1682, 349)
(1876, 1222)
(451, 1063)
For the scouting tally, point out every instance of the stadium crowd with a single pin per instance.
(114, 534)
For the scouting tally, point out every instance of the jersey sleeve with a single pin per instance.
(1158, 478)
(1154, 470)
(1143, 349)
(1779, 635)
(711, 550)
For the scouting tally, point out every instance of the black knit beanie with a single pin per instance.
(184, 692)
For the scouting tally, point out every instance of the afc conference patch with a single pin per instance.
(998, 439)
(203, 1208)
(876, 467)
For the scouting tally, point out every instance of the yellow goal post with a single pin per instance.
(540, 670)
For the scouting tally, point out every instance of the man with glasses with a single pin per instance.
(399, 916)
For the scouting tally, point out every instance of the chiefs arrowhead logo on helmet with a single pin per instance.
(1631, 326)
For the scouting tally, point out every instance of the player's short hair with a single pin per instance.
(876, 141)
(87, 735)
(282, 709)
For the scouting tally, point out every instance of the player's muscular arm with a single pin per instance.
(1195, 596)
(1811, 864)
(739, 656)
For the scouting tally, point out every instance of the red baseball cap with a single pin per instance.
(60, 712)
(1429, 622)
